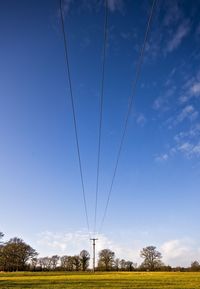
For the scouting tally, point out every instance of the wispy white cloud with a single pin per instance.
(190, 89)
(181, 32)
(169, 89)
(131, 35)
(158, 103)
(141, 119)
(189, 149)
(180, 252)
(193, 132)
(185, 147)
(71, 243)
(175, 252)
(187, 112)
(170, 16)
(187, 142)
(173, 13)
(170, 78)
(195, 89)
(162, 102)
(171, 29)
(162, 158)
(115, 5)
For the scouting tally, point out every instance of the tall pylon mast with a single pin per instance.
(93, 245)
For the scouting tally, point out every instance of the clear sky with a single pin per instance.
(155, 199)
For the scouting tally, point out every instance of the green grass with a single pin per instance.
(122, 280)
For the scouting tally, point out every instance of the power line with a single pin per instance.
(101, 110)
(135, 81)
(74, 113)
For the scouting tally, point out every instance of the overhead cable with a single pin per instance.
(135, 81)
(68, 74)
(101, 109)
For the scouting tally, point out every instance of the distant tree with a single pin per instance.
(122, 265)
(1, 235)
(195, 266)
(84, 259)
(129, 266)
(16, 253)
(152, 258)
(64, 262)
(2, 259)
(77, 262)
(179, 269)
(166, 268)
(1, 243)
(33, 263)
(41, 263)
(117, 264)
(45, 263)
(106, 259)
(69, 263)
(54, 261)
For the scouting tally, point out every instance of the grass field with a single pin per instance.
(120, 280)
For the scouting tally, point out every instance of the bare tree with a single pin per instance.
(84, 259)
(33, 263)
(45, 263)
(117, 264)
(64, 262)
(129, 265)
(106, 259)
(77, 262)
(70, 263)
(40, 263)
(67, 263)
(48, 262)
(195, 266)
(54, 261)
(122, 265)
(152, 258)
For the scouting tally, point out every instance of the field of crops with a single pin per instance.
(122, 280)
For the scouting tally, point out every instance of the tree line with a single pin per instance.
(16, 255)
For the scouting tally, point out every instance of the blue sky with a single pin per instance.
(155, 199)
